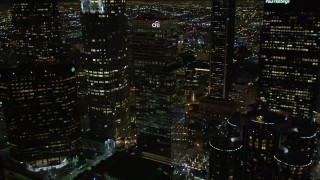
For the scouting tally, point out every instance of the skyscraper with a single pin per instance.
(38, 93)
(261, 141)
(41, 114)
(222, 24)
(36, 31)
(106, 65)
(289, 51)
(222, 150)
(159, 97)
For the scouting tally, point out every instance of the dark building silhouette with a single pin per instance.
(158, 88)
(301, 139)
(106, 66)
(289, 57)
(222, 24)
(225, 158)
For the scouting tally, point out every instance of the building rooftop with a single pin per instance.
(266, 117)
(293, 159)
(226, 144)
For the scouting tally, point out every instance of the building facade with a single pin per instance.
(104, 26)
(41, 114)
(158, 88)
(225, 158)
(289, 78)
(261, 141)
(36, 31)
(222, 24)
(38, 93)
(292, 165)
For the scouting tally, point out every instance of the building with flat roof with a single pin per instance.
(159, 88)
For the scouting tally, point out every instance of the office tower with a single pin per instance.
(36, 31)
(159, 94)
(290, 57)
(223, 12)
(39, 100)
(106, 64)
(41, 114)
(261, 141)
(225, 158)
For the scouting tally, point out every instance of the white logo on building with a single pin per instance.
(278, 1)
(156, 24)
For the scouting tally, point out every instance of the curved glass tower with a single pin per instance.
(38, 94)
(106, 65)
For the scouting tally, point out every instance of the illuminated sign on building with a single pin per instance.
(156, 24)
(278, 1)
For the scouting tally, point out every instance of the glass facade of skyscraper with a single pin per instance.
(104, 26)
(159, 94)
(290, 50)
(41, 114)
(38, 93)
